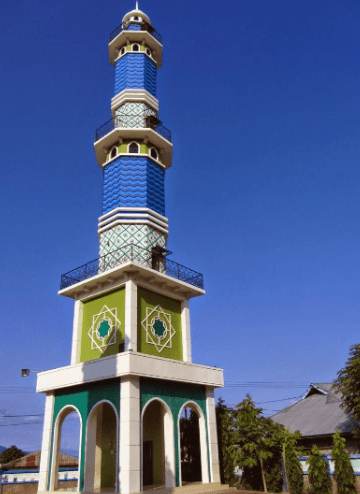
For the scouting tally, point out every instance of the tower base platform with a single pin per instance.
(196, 488)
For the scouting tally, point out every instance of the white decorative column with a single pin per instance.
(46, 442)
(213, 439)
(185, 331)
(76, 336)
(130, 316)
(129, 440)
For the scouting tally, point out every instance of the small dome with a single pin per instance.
(136, 15)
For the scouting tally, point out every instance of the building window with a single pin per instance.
(154, 154)
(65, 476)
(134, 148)
(135, 48)
(15, 479)
(5, 479)
(113, 152)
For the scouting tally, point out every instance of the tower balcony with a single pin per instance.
(133, 32)
(133, 127)
(153, 259)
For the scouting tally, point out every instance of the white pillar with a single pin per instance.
(213, 439)
(129, 440)
(130, 316)
(169, 447)
(46, 442)
(76, 336)
(185, 331)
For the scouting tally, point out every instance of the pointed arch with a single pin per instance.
(168, 434)
(95, 450)
(204, 456)
(61, 416)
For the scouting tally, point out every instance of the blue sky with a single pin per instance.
(262, 99)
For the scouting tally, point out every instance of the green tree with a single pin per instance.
(258, 440)
(319, 477)
(348, 384)
(225, 431)
(293, 470)
(344, 473)
(10, 454)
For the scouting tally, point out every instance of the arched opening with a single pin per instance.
(158, 451)
(123, 50)
(134, 148)
(101, 449)
(193, 445)
(148, 52)
(135, 48)
(66, 446)
(113, 152)
(154, 154)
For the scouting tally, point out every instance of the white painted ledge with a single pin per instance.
(125, 364)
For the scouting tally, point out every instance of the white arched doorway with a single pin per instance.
(101, 464)
(64, 420)
(158, 448)
(198, 420)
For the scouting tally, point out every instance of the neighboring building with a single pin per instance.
(21, 476)
(317, 416)
(131, 373)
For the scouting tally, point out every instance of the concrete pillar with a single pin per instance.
(130, 316)
(129, 440)
(185, 331)
(213, 439)
(46, 443)
(76, 336)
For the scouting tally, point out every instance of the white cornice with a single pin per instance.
(141, 134)
(125, 364)
(142, 37)
(143, 276)
(134, 95)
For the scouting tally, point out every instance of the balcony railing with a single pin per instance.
(143, 257)
(133, 122)
(144, 27)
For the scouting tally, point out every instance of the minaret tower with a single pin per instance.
(131, 373)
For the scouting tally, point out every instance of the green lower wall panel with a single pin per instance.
(175, 395)
(84, 399)
(165, 314)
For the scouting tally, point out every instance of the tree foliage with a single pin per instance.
(319, 478)
(293, 470)
(259, 444)
(348, 384)
(344, 473)
(227, 457)
(11, 454)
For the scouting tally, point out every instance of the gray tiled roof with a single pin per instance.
(318, 413)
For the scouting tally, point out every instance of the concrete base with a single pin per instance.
(212, 488)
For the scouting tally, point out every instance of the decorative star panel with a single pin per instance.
(158, 328)
(103, 329)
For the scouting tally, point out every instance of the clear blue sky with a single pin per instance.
(262, 98)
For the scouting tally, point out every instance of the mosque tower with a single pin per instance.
(131, 373)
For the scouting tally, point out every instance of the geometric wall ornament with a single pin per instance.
(158, 328)
(103, 329)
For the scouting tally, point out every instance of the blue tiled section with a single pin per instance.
(133, 181)
(135, 71)
(134, 27)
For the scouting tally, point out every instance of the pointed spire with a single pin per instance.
(137, 5)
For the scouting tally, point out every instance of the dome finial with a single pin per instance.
(137, 6)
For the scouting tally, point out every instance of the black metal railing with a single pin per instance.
(143, 257)
(144, 27)
(122, 122)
